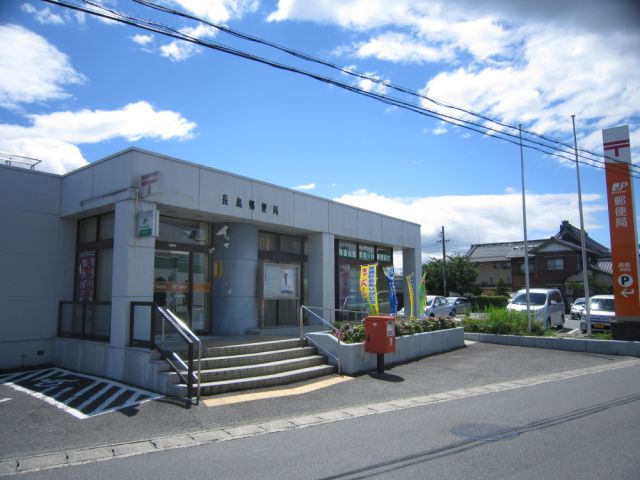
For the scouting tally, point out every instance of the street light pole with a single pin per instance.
(524, 224)
(585, 271)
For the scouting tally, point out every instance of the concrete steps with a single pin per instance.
(254, 365)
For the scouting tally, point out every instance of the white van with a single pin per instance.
(546, 305)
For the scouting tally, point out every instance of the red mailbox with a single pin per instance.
(380, 334)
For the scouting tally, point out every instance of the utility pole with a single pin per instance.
(444, 263)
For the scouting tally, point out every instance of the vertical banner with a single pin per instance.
(368, 286)
(423, 293)
(393, 300)
(622, 225)
(410, 283)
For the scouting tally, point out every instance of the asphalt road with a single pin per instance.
(555, 428)
(586, 427)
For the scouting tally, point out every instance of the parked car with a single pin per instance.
(546, 305)
(602, 311)
(460, 304)
(576, 308)
(437, 307)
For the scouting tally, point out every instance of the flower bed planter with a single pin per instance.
(354, 359)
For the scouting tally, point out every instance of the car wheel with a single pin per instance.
(431, 315)
(453, 313)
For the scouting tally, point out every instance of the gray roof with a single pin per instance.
(504, 251)
(496, 252)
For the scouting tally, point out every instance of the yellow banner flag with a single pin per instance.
(368, 287)
(411, 299)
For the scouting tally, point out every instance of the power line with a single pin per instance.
(162, 29)
(348, 71)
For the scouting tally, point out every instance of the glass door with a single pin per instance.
(181, 282)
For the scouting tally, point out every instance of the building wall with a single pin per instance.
(40, 212)
(489, 273)
(37, 251)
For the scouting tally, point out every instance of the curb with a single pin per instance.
(586, 345)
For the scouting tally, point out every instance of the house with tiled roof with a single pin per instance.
(555, 262)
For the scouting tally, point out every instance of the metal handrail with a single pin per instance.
(304, 308)
(191, 339)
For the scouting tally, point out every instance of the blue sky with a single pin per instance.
(75, 88)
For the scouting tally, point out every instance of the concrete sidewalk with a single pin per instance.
(37, 434)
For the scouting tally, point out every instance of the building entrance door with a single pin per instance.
(181, 282)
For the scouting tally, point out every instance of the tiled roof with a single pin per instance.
(568, 234)
(487, 252)
(571, 234)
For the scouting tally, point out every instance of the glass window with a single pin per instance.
(347, 249)
(384, 255)
(86, 276)
(175, 230)
(268, 242)
(87, 230)
(367, 253)
(531, 269)
(292, 245)
(106, 226)
(103, 279)
(555, 264)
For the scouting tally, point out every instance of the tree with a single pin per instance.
(501, 288)
(461, 273)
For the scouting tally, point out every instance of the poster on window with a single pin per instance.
(86, 276)
(280, 281)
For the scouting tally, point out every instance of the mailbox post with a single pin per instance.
(380, 337)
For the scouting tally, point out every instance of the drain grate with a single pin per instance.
(484, 432)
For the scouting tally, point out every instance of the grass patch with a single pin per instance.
(500, 321)
(602, 335)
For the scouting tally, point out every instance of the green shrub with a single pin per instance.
(354, 332)
(484, 302)
(500, 321)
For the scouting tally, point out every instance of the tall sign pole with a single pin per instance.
(622, 228)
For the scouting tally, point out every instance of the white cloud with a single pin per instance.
(306, 186)
(441, 129)
(534, 63)
(356, 14)
(44, 15)
(373, 83)
(142, 40)
(472, 219)
(179, 50)
(400, 47)
(54, 137)
(39, 71)
(214, 11)
(560, 74)
(218, 11)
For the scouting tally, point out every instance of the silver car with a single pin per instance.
(459, 304)
(577, 307)
(546, 305)
(437, 307)
(602, 310)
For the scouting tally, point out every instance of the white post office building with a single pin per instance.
(81, 252)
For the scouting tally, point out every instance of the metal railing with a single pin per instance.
(166, 333)
(333, 328)
(10, 159)
(85, 320)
